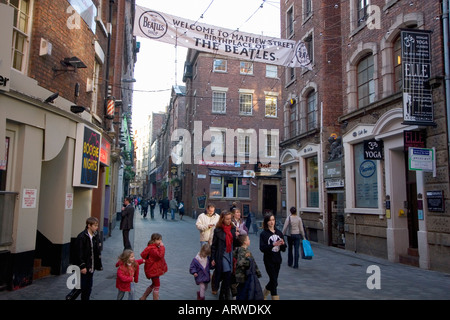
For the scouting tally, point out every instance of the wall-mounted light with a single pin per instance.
(78, 109)
(74, 63)
(52, 98)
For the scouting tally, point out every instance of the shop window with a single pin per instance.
(229, 187)
(366, 183)
(312, 182)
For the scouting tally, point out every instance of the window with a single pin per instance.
(308, 8)
(366, 83)
(244, 144)
(219, 102)
(246, 67)
(362, 11)
(220, 65)
(366, 183)
(271, 71)
(271, 145)
(245, 104)
(309, 44)
(398, 76)
(311, 110)
(271, 106)
(96, 87)
(312, 182)
(229, 187)
(21, 26)
(290, 75)
(290, 22)
(293, 120)
(217, 142)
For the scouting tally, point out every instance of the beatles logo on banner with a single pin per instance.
(246, 46)
(416, 68)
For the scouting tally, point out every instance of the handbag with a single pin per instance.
(288, 230)
(307, 252)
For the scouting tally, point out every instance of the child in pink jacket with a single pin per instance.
(127, 272)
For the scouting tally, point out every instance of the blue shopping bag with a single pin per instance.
(307, 252)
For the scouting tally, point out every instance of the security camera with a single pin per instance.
(52, 98)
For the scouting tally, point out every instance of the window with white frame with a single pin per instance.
(246, 67)
(218, 137)
(293, 120)
(220, 65)
(244, 144)
(271, 71)
(271, 106)
(21, 33)
(271, 145)
(229, 187)
(361, 11)
(245, 103)
(219, 101)
(366, 82)
(307, 7)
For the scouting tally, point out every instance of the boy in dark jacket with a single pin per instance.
(87, 258)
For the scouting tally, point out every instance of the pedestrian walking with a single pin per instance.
(199, 268)
(87, 258)
(206, 222)
(271, 244)
(181, 209)
(126, 222)
(127, 274)
(152, 204)
(155, 264)
(247, 272)
(173, 207)
(293, 229)
(144, 206)
(165, 207)
(224, 241)
(239, 222)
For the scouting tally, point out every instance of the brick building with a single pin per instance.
(374, 206)
(233, 123)
(60, 154)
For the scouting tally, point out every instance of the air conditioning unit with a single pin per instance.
(45, 48)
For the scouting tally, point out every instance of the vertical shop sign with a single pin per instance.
(416, 68)
(87, 157)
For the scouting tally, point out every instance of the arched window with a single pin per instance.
(398, 76)
(293, 119)
(366, 83)
(311, 110)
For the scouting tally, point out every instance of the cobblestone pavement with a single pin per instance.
(333, 274)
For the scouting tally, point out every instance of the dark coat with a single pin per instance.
(126, 223)
(266, 240)
(218, 247)
(84, 250)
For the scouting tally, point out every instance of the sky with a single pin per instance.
(159, 65)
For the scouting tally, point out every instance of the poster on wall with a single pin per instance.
(87, 157)
(416, 68)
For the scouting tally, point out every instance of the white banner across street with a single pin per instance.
(246, 46)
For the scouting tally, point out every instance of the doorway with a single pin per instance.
(270, 199)
(336, 219)
(411, 207)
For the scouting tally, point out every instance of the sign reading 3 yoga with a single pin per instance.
(179, 31)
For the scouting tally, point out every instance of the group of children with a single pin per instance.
(246, 272)
(245, 286)
(154, 266)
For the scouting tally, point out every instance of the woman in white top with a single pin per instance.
(294, 226)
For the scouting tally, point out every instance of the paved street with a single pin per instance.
(333, 274)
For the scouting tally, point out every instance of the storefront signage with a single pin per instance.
(435, 201)
(421, 159)
(87, 157)
(373, 149)
(332, 169)
(334, 183)
(6, 27)
(105, 152)
(414, 139)
(416, 67)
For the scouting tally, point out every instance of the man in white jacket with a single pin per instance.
(206, 222)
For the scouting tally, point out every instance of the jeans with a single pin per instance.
(294, 250)
(172, 213)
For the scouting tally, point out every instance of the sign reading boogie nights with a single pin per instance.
(179, 31)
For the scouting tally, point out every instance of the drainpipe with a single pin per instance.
(445, 24)
(108, 54)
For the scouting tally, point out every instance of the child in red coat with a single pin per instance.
(127, 272)
(155, 264)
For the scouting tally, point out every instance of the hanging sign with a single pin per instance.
(416, 68)
(373, 149)
(246, 46)
(87, 157)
